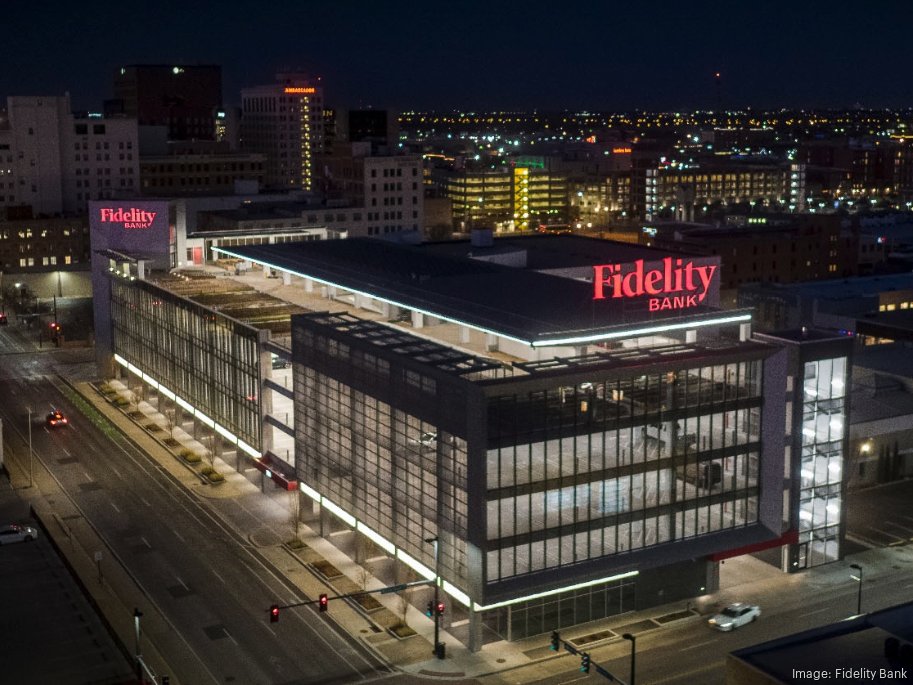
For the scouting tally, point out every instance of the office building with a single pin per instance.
(576, 421)
(284, 121)
(56, 162)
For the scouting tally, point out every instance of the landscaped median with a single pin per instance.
(365, 603)
(160, 427)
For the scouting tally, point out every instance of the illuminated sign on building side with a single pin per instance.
(130, 218)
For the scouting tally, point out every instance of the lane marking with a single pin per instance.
(145, 501)
(699, 644)
(178, 535)
(119, 475)
(115, 507)
(182, 583)
(66, 451)
(218, 576)
(816, 611)
(146, 542)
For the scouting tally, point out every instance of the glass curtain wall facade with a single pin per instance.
(606, 466)
(823, 437)
(384, 438)
(207, 359)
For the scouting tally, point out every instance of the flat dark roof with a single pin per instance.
(519, 303)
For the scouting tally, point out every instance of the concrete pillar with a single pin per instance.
(418, 320)
(385, 309)
(286, 278)
(360, 549)
(475, 630)
(464, 335)
(491, 342)
(308, 285)
(266, 271)
(744, 331)
(691, 336)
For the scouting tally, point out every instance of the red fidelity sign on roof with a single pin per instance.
(678, 284)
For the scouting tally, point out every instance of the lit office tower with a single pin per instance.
(284, 121)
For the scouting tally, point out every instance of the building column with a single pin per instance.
(691, 336)
(491, 342)
(286, 278)
(475, 630)
(308, 285)
(744, 331)
(464, 334)
(418, 320)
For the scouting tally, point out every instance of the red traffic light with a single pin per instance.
(440, 608)
(274, 613)
(323, 602)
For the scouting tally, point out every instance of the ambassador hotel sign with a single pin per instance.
(671, 283)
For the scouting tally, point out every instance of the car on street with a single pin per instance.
(734, 615)
(55, 419)
(13, 532)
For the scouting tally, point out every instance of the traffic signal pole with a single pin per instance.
(323, 599)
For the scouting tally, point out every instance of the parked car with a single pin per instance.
(15, 533)
(55, 419)
(426, 441)
(735, 615)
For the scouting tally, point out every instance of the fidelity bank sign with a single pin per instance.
(677, 284)
(127, 218)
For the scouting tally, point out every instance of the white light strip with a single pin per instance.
(375, 297)
(639, 331)
(224, 432)
(250, 450)
(556, 591)
(415, 565)
(205, 420)
(309, 491)
(537, 343)
(339, 511)
(381, 541)
(457, 594)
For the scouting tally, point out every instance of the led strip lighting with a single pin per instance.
(532, 343)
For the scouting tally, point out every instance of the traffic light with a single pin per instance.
(274, 613)
(556, 641)
(440, 608)
(429, 612)
(323, 602)
(585, 662)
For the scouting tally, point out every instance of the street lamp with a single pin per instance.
(438, 652)
(629, 636)
(30, 445)
(858, 579)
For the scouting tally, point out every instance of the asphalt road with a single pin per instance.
(212, 586)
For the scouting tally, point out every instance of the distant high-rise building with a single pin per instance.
(56, 162)
(185, 98)
(284, 121)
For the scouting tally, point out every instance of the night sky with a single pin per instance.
(469, 54)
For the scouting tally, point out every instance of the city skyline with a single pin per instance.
(474, 56)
